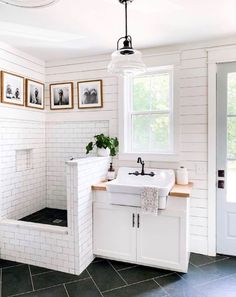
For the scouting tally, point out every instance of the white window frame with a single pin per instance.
(125, 120)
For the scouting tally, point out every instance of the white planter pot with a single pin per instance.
(101, 152)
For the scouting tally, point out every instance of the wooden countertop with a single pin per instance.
(177, 190)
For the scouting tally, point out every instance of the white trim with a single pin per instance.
(149, 157)
(215, 56)
(35, 226)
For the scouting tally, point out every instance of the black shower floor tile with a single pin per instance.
(49, 216)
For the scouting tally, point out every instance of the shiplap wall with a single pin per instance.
(21, 192)
(192, 97)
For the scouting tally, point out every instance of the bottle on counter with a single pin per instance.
(111, 173)
(182, 176)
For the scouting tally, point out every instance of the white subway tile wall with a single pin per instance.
(23, 181)
(63, 249)
(65, 140)
(80, 175)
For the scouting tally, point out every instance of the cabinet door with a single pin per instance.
(114, 231)
(161, 241)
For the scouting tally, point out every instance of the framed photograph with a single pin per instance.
(61, 96)
(90, 94)
(34, 94)
(12, 88)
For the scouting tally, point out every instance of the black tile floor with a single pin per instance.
(50, 216)
(207, 277)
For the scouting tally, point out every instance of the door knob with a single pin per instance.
(221, 173)
(221, 184)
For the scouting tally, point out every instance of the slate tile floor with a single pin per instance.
(50, 216)
(207, 277)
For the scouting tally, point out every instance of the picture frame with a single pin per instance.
(61, 96)
(35, 94)
(90, 94)
(12, 88)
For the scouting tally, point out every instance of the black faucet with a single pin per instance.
(142, 163)
(142, 171)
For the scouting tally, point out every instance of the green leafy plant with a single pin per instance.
(102, 141)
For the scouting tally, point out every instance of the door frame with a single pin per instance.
(216, 56)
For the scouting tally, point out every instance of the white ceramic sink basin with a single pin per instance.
(126, 188)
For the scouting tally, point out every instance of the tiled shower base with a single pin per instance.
(49, 216)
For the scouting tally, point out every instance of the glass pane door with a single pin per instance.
(231, 137)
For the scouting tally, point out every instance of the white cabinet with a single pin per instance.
(125, 234)
(161, 241)
(114, 231)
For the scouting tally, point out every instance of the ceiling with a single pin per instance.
(73, 28)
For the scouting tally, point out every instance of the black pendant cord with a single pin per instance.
(126, 20)
(127, 39)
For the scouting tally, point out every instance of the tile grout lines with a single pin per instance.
(164, 290)
(54, 286)
(31, 278)
(117, 273)
(139, 282)
(41, 273)
(38, 290)
(94, 283)
(215, 261)
(20, 264)
(64, 285)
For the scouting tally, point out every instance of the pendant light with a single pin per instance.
(125, 60)
(29, 3)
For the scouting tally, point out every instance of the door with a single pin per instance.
(161, 240)
(114, 231)
(226, 158)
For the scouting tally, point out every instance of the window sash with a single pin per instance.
(130, 113)
(150, 149)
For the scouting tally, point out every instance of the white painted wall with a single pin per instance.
(22, 192)
(192, 89)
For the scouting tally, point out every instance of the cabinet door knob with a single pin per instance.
(138, 220)
(133, 223)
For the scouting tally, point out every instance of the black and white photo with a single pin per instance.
(61, 96)
(12, 88)
(34, 94)
(90, 94)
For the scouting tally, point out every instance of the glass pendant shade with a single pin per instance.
(29, 3)
(123, 65)
(126, 61)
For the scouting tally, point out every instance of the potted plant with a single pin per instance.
(106, 146)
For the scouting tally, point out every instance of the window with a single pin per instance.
(148, 114)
